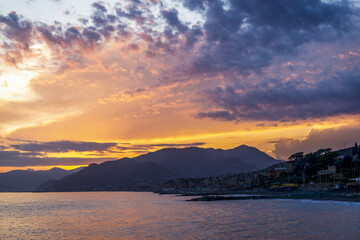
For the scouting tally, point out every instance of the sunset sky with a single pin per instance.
(84, 81)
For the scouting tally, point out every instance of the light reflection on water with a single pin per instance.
(127, 215)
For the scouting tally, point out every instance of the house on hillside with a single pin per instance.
(354, 184)
(330, 170)
(272, 173)
(325, 173)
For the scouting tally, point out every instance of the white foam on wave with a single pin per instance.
(344, 203)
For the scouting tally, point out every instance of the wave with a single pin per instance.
(344, 203)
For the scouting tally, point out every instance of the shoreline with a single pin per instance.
(295, 196)
(247, 195)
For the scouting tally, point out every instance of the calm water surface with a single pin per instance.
(127, 215)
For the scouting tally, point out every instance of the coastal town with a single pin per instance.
(323, 171)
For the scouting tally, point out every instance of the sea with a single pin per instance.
(145, 215)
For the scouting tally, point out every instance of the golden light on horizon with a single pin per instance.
(168, 78)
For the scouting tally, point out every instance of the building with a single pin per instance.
(330, 170)
(271, 173)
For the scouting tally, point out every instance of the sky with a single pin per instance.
(91, 81)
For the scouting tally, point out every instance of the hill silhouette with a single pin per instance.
(162, 165)
(28, 180)
(201, 162)
(119, 175)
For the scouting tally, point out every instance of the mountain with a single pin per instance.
(200, 162)
(165, 164)
(252, 155)
(28, 180)
(115, 175)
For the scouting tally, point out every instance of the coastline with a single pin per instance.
(248, 195)
(315, 196)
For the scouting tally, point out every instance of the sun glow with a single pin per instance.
(14, 85)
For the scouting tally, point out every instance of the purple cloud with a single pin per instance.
(19, 159)
(245, 36)
(64, 146)
(171, 17)
(275, 100)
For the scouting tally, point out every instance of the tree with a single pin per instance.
(356, 149)
(296, 156)
(322, 151)
(347, 161)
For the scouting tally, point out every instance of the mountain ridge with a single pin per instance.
(28, 180)
(161, 165)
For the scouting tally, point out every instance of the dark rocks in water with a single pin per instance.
(220, 198)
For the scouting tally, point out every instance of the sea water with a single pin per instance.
(136, 215)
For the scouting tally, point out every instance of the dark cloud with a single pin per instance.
(133, 12)
(99, 7)
(194, 5)
(84, 20)
(66, 40)
(102, 21)
(171, 17)
(275, 100)
(19, 159)
(279, 141)
(173, 145)
(219, 115)
(32, 153)
(318, 139)
(192, 36)
(17, 29)
(18, 33)
(245, 36)
(148, 147)
(158, 45)
(239, 36)
(64, 146)
(72, 38)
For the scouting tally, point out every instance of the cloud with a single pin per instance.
(105, 22)
(245, 36)
(19, 159)
(17, 29)
(194, 5)
(23, 34)
(240, 36)
(171, 17)
(276, 100)
(133, 11)
(64, 146)
(148, 147)
(30, 153)
(99, 6)
(19, 33)
(235, 45)
(65, 41)
(317, 139)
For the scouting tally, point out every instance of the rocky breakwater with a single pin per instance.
(230, 197)
(324, 196)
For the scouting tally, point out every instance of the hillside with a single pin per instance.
(115, 175)
(200, 162)
(162, 165)
(28, 180)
